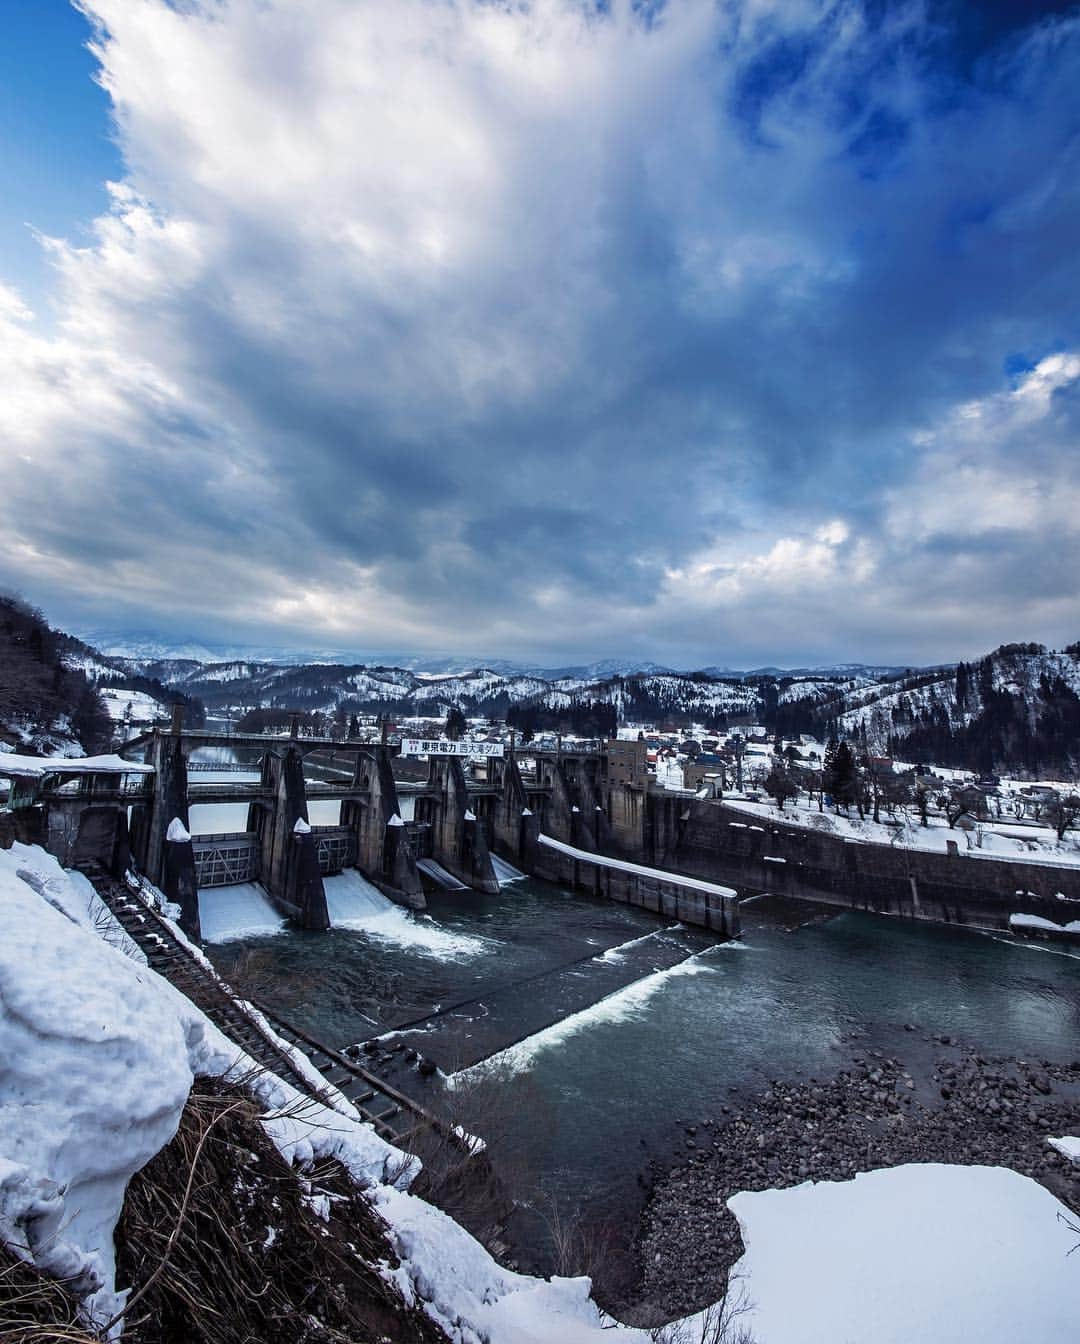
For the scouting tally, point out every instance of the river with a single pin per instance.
(576, 1033)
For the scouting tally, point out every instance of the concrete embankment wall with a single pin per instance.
(754, 853)
(664, 896)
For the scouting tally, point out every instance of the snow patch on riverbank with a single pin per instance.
(1068, 1146)
(918, 1252)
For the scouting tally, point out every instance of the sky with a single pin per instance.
(714, 332)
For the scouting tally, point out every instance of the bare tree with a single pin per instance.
(1063, 812)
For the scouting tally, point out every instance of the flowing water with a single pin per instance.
(598, 1026)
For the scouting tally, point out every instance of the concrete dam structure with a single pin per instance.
(138, 811)
(587, 818)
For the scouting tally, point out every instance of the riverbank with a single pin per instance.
(946, 1103)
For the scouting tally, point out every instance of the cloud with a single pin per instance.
(557, 328)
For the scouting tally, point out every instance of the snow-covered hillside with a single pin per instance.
(956, 698)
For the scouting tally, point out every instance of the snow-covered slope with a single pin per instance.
(99, 1056)
(955, 696)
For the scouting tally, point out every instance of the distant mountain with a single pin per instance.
(603, 670)
(148, 648)
(1017, 708)
(842, 670)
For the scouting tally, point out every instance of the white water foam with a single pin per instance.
(355, 904)
(241, 911)
(623, 1005)
(505, 872)
(618, 953)
(1032, 946)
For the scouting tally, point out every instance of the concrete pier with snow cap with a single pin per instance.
(690, 899)
(178, 877)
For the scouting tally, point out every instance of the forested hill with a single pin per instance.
(48, 703)
(60, 697)
(1016, 709)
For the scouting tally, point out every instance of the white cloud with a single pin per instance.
(1001, 464)
(469, 323)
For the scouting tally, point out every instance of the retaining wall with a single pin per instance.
(763, 853)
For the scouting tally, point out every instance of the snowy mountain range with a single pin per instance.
(1018, 707)
(148, 647)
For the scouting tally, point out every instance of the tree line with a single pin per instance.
(39, 695)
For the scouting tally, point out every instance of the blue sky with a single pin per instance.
(732, 332)
(56, 146)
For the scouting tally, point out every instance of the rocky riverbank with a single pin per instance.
(953, 1106)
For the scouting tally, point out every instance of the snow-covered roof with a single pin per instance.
(36, 767)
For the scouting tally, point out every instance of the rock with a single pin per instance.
(427, 1067)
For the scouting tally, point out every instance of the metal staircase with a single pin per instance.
(393, 1115)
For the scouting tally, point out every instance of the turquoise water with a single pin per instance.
(653, 1024)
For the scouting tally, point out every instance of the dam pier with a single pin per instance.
(589, 817)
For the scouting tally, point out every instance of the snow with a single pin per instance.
(98, 1064)
(1068, 1146)
(135, 707)
(35, 767)
(301, 827)
(1022, 921)
(395, 820)
(992, 840)
(975, 1255)
(177, 832)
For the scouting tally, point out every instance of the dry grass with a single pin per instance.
(195, 1244)
(34, 1309)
